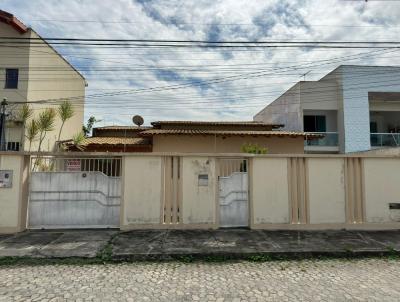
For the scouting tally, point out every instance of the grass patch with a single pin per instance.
(105, 256)
(27, 261)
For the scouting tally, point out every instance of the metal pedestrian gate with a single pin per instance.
(233, 193)
(74, 193)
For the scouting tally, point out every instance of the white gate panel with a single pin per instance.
(233, 200)
(74, 200)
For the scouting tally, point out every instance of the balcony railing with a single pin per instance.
(385, 139)
(330, 139)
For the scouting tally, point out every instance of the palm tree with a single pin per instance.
(24, 114)
(65, 112)
(32, 131)
(45, 124)
(78, 140)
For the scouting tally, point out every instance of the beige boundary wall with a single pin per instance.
(285, 191)
(14, 200)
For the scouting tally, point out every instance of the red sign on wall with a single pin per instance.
(73, 165)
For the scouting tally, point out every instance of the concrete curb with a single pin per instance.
(97, 246)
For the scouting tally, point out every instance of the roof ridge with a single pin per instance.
(10, 19)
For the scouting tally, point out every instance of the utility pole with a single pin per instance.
(3, 144)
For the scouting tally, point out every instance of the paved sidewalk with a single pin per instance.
(335, 280)
(55, 244)
(166, 244)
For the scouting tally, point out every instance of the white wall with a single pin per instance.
(74, 199)
(357, 82)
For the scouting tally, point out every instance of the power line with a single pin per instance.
(147, 43)
(194, 41)
(213, 24)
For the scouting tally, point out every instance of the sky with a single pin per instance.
(258, 75)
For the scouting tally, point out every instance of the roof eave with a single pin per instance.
(11, 20)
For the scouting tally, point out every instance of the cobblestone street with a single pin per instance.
(329, 280)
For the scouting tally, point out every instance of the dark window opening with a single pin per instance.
(314, 123)
(11, 79)
(13, 146)
(373, 126)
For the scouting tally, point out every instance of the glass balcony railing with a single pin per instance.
(385, 139)
(330, 139)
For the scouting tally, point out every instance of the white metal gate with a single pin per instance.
(233, 193)
(74, 193)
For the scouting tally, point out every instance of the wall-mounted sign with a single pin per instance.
(73, 165)
(6, 177)
(203, 180)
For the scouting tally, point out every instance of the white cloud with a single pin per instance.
(224, 20)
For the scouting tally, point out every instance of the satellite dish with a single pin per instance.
(138, 120)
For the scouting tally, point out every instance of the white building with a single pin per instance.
(34, 72)
(356, 107)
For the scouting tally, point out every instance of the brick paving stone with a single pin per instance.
(307, 280)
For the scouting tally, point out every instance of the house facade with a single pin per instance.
(114, 139)
(222, 137)
(33, 72)
(194, 137)
(357, 108)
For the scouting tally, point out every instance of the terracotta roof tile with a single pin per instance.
(99, 140)
(10, 19)
(122, 128)
(227, 133)
(214, 123)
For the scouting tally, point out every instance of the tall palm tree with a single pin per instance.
(32, 131)
(65, 111)
(24, 114)
(46, 123)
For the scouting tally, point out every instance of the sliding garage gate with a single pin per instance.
(74, 193)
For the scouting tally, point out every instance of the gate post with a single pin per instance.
(14, 191)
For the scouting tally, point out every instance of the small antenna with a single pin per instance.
(304, 75)
(138, 120)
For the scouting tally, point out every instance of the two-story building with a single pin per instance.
(33, 72)
(357, 108)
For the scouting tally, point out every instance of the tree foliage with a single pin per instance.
(87, 129)
(254, 149)
(46, 123)
(65, 111)
(32, 130)
(78, 140)
(25, 113)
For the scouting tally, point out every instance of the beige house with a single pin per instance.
(222, 137)
(32, 71)
(194, 137)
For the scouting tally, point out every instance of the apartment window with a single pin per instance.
(13, 146)
(314, 123)
(11, 78)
